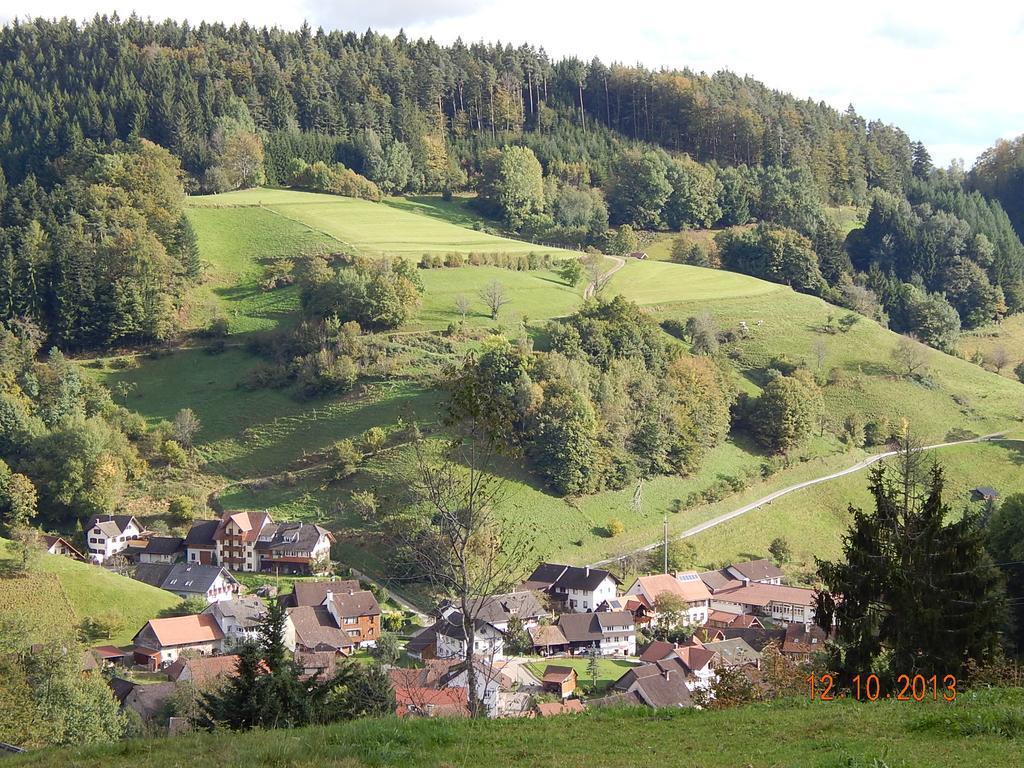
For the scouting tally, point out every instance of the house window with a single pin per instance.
(350, 620)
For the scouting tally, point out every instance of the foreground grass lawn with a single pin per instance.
(374, 228)
(60, 592)
(983, 730)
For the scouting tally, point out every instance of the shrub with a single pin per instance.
(181, 510)
(616, 528)
(174, 454)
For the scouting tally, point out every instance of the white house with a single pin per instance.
(490, 681)
(686, 585)
(613, 633)
(488, 641)
(498, 610)
(579, 589)
(210, 582)
(108, 535)
(238, 618)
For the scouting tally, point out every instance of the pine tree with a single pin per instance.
(914, 594)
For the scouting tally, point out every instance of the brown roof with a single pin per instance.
(556, 674)
(109, 652)
(763, 594)
(432, 702)
(758, 570)
(322, 664)
(804, 638)
(658, 650)
(687, 586)
(356, 604)
(695, 658)
(315, 629)
(547, 634)
(203, 668)
(718, 580)
(186, 630)
(570, 707)
(314, 592)
(250, 523)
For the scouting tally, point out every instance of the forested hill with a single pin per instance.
(61, 82)
(105, 126)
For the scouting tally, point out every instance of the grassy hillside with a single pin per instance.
(251, 436)
(376, 228)
(983, 730)
(60, 592)
(811, 519)
(1007, 336)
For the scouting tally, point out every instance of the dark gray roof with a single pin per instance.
(246, 611)
(756, 637)
(758, 570)
(580, 627)
(302, 537)
(661, 684)
(201, 533)
(421, 640)
(315, 629)
(163, 545)
(608, 619)
(718, 580)
(193, 577)
(500, 608)
(120, 687)
(563, 577)
(734, 651)
(152, 573)
(111, 525)
(452, 626)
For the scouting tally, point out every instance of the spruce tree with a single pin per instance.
(914, 593)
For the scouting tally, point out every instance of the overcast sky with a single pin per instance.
(948, 73)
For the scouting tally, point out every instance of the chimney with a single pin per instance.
(666, 673)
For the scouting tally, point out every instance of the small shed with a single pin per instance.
(984, 493)
(638, 255)
(560, 680)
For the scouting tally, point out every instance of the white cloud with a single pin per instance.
(945, 73)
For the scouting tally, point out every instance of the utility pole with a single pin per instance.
(665, 542)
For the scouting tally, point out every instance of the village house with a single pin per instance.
(238, 618)
(754, 588)
(488, 641)
(208, 582)
(294, 548)
(147, 700)
(498, 610)
(698, 662)
(252, 541)
(414, 687)
(322, 619)
(724, 620)
(578, 589)
(686, 586)
(108, 535)
(659, 684)
(158, 549)
(161, 641)
(422, 646)
(802, 641)
(203, 670)
(560, 680)
(491, 681)
(200, 546)
(735, 653)
(612, 633)
(58, 545)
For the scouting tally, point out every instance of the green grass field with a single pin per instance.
(59, 593)
(979, 730)
(608, 671)
(813, 519)
(377, 228)
(1007, 336)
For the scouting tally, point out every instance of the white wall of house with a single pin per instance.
(146, 557)
(487, 642)
(702, 678)
(582, 601)
(170, 654)
(102, 547)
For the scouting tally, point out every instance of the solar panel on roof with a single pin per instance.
(688, 577)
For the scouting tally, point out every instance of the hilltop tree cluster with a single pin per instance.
(609, 403)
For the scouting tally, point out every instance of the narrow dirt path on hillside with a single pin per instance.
(719, 519)
(620, 262)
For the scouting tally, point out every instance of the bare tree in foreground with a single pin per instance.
(468, 552)
(597, 276)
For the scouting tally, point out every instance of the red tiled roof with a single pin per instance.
(570, 707)
(186, 630)
(763, 594)
(204, 668)
(432, 702)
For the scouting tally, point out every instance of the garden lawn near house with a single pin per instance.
(608, 670)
